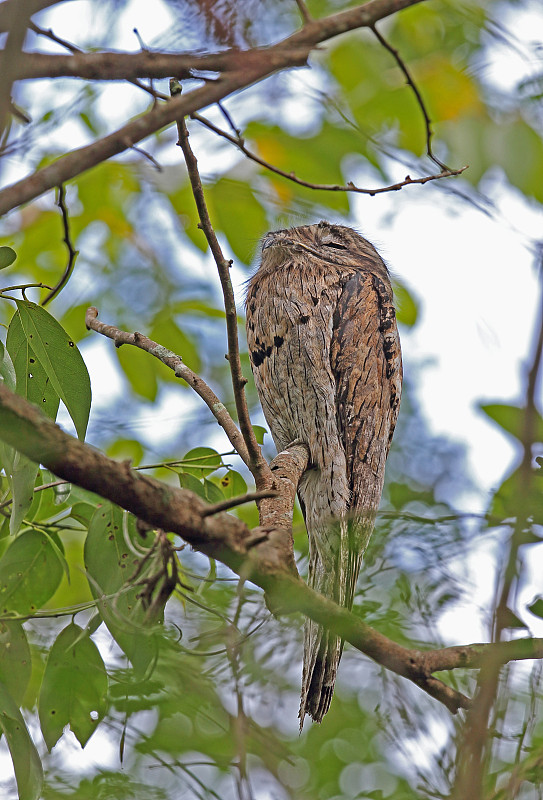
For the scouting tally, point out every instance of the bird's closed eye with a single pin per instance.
(337, 245)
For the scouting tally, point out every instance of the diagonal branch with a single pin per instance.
(175, 363)
(251, 554)
(239, 142)
(78, 161)
(243, 69)
(257, 464)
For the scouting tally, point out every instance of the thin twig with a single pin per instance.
(304, 11)
(37, 489)
(24, 286)
(232, 502)
(148, 156)
(257, 464)
(72, 252)
(239, 142)
(49, 34)
(175, 363)
(410, 82)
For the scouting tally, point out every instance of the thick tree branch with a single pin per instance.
(180, 369)
(245, 68)
(78, 161)
(18, 18)
(251, 554)
(257, 464)
(8, 7)
(125, 66)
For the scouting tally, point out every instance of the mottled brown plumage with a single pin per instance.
(326, 358)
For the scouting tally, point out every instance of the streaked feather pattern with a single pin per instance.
(326, 358)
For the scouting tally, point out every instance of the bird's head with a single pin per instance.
(325, 241)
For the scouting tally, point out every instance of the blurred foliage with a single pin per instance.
(199, 697)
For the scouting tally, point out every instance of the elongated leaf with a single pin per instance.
(74, 687)
(22, 478)
(19, 362)
(60, 360)
(26, 761)
(110, 562)
(15, 659)
(7, 370)
(32, 380)
(30, 573)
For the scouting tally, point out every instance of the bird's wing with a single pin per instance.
(366, 362)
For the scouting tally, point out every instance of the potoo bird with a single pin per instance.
(326, 359)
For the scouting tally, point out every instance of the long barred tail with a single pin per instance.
(323, 649)
(322, 653)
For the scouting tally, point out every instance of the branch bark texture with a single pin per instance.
(238, 70)
(258, 554)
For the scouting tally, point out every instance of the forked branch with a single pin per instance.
(251, 554)
(180, 369)
(239, 142)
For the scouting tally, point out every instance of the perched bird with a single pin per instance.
(326, 359)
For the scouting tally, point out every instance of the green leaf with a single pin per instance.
(204, 488)
(30, 573)
(61, 361)
(206, 460)
(537, 607)
(407, 310)
(512, 499)
(74, 687)
(15, 659)
(191, 482)
(26, 761)
(7, 257)
(212, 493)
(166, 332)
(123, 449)
(234, 200)
(232, 484)
(110, 561)
(22, 479)
(513, 419)
(7, 370)
(141, 371)
(259, 433)
(32, 381)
